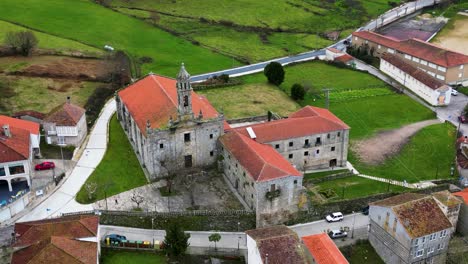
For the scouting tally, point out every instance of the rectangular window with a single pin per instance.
(378, 46)
(318, 141)
(61, 140)
(16, 169)
(277, 146)
(355, 38)
(339, 134)
(391, 50)
(431, 73)
(415, 59)
(295, 181)
(211, 153)
(442, 69)
(419, 253)
(161, 146)
(459, 75)
(306, 153)
(243, 173)
(291, 144)
(444, 233)
(432, 65)
(407, 56)
(306, 142)
(272, 187)
(317, 151)
(367, 41)
(461, 67)
(440, 77)
(211, 136)
(430, 250)
(187, 137)
(332, 148)
(423, 239)
(2, 171)
(290, 156)
(423, 62)
(328, 135)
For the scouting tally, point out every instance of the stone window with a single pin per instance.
(339, 134)
(295, 181)
(161, 146)
(211, 136)
(243, 173)
(306, 142)
(186, 102)
(318, 141)
(306, 153)
(272, 187)
(187, 137)
(251, 196)
(317, 151)
(291, 144)
(290, 156)
(236, 165)
(211, 153)
(332, 148)
(328, 136)
(277, 146)
(419, 253)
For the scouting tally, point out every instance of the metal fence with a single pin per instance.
(165, 214)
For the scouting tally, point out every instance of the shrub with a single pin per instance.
(22, 42)
(297, 92)
(274, 72)
(145, 59)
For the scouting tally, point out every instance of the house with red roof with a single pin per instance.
(419, 81)
(65, 125)
(170, 127)
(410, 228)
(19, 141)
(462, 225)
(332, 54)
(448, 66)
(69, 239)
(322, 250)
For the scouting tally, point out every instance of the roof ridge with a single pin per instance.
(164, 89)
(80, 221)
(61, 249)
(437, 46)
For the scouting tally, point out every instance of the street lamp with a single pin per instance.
(452, 170)
(238, 242)
(238, 226)
(354, 220)
(152, 229)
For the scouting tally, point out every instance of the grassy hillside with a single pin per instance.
(97, 26)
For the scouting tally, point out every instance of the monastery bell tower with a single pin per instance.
(184, 94)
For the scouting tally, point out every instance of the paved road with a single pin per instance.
(384, 19)
(63, 199)
(453, 110)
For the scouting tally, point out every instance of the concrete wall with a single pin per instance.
(462, 225)
(12, 209)
(252, 252)
(438, 97)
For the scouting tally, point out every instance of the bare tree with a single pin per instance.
(154, 17)
(22, 42)
(91, 188)
(137, 198)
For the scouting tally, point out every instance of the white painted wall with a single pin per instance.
(253, 255)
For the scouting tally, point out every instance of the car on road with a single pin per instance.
(115, 238)
(462, 119)
(454, 92)
(334, 217)
(337, 234)
(46, 165)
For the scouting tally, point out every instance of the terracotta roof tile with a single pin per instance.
(154, 98)
(306, 121)
(32, 127)
(344, 58)
(416, 73)
(32, 113)
(323, 249)
(16, 147)
(65, 115)
(261, 161)
(399, 199)
(463, 194)
(418, 48)
(280, 243)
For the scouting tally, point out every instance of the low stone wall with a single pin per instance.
(331, 177)
(248, 119)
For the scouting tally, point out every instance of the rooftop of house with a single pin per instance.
(261, 161)
(419, 214)
(334, 50)
(323, 249)
(66, 114)
(279, 243)
(416, 73)
(308, 120)
(418, 48)
(154, 99)
(462, 194)
(32, 127)
(55, 240)
(15, 146)
(446, 198)
(32, 113)
(344, 58)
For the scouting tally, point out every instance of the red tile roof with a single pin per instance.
(280, 243)
(418, 48)
(16, 147)
(419, 214)
(32, 127)
(344, 58)
(261, 161)
(463, 194)
(32, 113)
(66, 114)
(154, 98)
(416, 73)
(55, 240)
(334, 50)
(306, 121)
(323, 249)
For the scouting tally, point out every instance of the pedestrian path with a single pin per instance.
(420, 185)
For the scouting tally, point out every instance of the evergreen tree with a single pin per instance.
(274, 72)
(175, 241)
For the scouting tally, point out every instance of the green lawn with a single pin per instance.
(47, 41)
(321, 174)
(97, 26)
(355, 187)
(253, 30)
(119, 170)
(363, 252)
(128, 257)
(429, 155)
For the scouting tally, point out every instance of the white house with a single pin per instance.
(418, 80)
(65, 125)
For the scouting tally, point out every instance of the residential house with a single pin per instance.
(65, 125)
(29, 115)
(409, 228)
(274, 245)
(430, 89)
(32, 127)
(322, 250)
(16, 151)
(462, 160)
(448, 66)
(462, 225)
(450, 205)
(332, 54)
(69, 239)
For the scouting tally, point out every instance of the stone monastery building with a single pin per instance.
(172, 129)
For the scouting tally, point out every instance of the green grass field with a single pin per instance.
(101, 26)
(355, 187)
(127, 257)
(429, 155)
(253, 30)
(363, 252)
(321, 174)
(119, 169)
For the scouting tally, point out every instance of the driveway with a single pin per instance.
(453, 110)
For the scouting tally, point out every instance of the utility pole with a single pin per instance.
(327, 97)
(354, 220)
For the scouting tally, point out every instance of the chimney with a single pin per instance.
(6, 130)
(68, 99)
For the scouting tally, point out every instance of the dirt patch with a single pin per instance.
(456, 37)
(386, 144)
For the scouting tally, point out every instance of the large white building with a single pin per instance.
(419, 81)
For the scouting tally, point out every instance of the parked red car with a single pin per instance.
(462, 119)
(46, 165)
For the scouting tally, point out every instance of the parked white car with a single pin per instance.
(337, 234)
(454, 92)
(334, 217)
